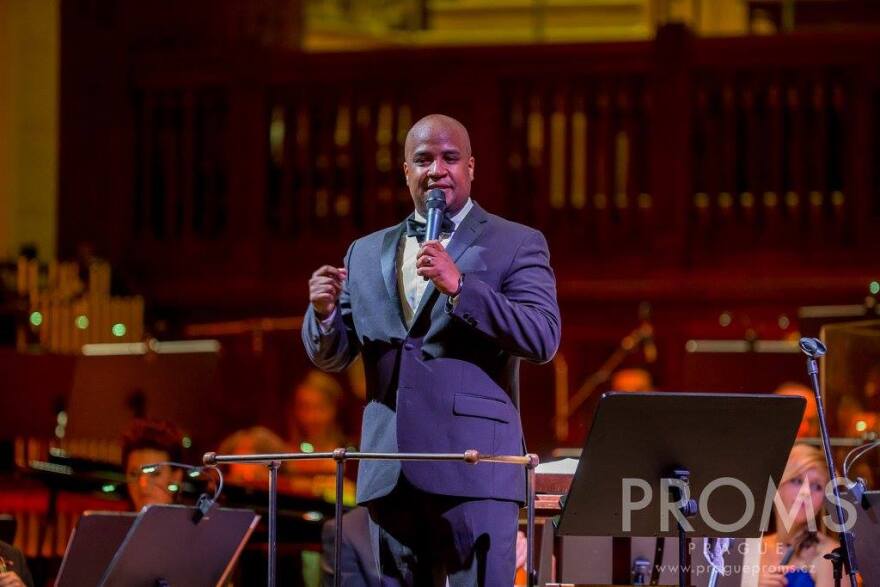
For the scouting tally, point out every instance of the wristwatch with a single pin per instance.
(460, 284)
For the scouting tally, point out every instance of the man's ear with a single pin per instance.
(471, 163)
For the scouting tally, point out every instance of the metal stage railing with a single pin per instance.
(341, 456)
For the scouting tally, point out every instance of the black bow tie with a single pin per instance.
(418, 229)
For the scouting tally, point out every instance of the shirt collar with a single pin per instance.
(455, 219)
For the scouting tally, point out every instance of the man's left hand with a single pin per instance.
(434, 263)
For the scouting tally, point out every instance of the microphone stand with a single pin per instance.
(341, 455)
(845, 554)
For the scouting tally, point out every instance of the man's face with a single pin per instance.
(439, 158)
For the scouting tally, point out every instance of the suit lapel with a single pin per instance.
(470, 228)
(390, 243)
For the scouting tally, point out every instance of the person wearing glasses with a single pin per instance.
(147, 442)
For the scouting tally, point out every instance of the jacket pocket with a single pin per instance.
(481, 407)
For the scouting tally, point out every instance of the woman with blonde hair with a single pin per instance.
(793, 555)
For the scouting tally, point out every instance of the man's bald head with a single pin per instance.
(438, 156)
(434, 126)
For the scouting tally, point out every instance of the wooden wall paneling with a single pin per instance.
(862, 167)
(817, 162)
(578, 166)
(558, 136)
(603, 168)
(277, 196)
(704, 153)
(538, 154)
(640, 118)
(730, 140)
(670, 161)
(514, 138)
(143, 177)
(304, 171)
(170, 206)
(363, 148)
(624, 136)
(187, 163)
(642, 188)
(245, 145)
(840, 222)
(344, 185)
(753, 149)
(321, 130)
(773, 233)
(487, 116)
(404, 117)
(795, 192)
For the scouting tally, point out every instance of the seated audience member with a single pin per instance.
(793, 555)
(13, 568)
(809, 427)
(147, 442)
(313, 422)
(255, 440)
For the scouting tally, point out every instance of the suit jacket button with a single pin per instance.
(409, 346)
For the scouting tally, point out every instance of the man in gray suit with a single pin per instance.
(441, 327)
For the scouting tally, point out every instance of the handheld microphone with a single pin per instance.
(436, 203)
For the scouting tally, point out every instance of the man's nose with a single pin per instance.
(437, 169)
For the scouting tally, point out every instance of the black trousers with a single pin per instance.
(424, 539)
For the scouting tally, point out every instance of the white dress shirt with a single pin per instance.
(410, 285)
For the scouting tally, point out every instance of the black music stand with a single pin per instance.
(866, 533)
(166, 548)
(92, 546)
(732, 443)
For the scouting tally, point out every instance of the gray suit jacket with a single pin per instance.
(449, 382)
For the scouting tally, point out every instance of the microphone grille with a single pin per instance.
(436, 200)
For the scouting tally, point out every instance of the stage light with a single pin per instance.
(313, 516)
(36, 318)
(119, 329)
(186, 442)
(874, 287)
(307, 447)
(108, 488)
(82, 321)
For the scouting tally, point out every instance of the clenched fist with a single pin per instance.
(325, 285)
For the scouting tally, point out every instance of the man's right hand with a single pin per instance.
(325, 286)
